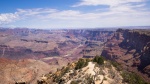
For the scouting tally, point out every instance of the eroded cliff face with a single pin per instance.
(140, 41)
(131, 48)
(93, 34)
(37, 44)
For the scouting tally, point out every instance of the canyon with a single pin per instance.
(28, 54)
(130, 48)
(28, 51)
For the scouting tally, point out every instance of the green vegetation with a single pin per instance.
(84, 62)
(105, 78)
(128, 77)
(64, 70)
(74, 82)
(132, 78)
(81, 63)
(89, 79)
(99, 60)
(116, 65)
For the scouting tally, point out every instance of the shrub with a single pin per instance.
(99, 60)
(132, 78)
(64, 71)
(105, 78)
(74, 82)
(116, 65)
(89, 79)
(57, 78)
(81, 63)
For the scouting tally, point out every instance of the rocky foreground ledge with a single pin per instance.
(92, 71)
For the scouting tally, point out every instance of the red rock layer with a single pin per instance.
(131, 48)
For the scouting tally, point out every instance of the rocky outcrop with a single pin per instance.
(131, 48)
(90, 74)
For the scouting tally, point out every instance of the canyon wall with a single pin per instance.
(34, 43)
(131, 48)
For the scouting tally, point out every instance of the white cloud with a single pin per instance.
(110, 3)
(115, 5)
(36, 11)
(7, 17)
(22, 14)
(119, 13)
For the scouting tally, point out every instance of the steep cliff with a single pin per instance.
(131, 48)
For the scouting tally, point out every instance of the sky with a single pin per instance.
(47, 14)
